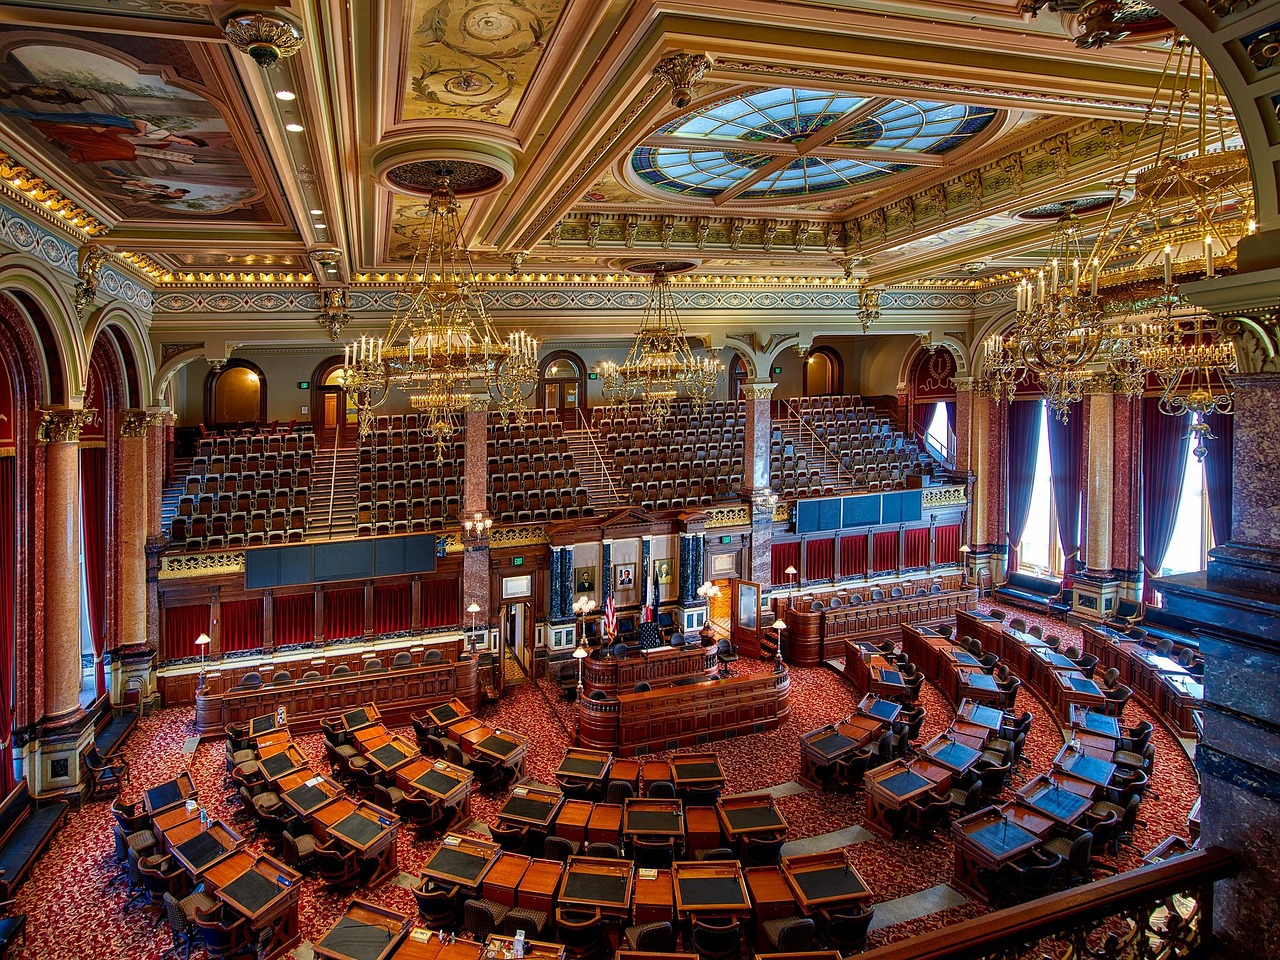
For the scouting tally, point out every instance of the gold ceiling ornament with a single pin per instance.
(334, 315)
(92, 258)
(1193, 367)
(660, 367)
(869, 306)
(265, 38)
(680, 72)
(440, 343)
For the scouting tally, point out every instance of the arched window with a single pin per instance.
(562, 381)
(823, 373)
(737, 376)
(235, 394)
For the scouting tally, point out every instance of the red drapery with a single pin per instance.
(1066, 463)
(440, 606)
(343, 614)
(8, 570)
(946, 544)
(392, 608)
(853, 556)
(884, 551)
(915, 547)
(1164, 465)
(819, 561)
(784, 555)
(293, 619)
(1024, 437)
(181, 627)
(93, 523)
(1218, 474)
(241, 625)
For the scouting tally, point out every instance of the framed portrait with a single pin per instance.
(663, 571)
(624, 576)
(584, 580)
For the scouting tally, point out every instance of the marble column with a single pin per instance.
(157, 428)
(1126, 532)
(555, 602)
(990, 512)
(756, 479)
(130, 660)
(686, 581)
(567, 585)
(60, 432)
(964, 423)
(1099, 475)
(475, 499)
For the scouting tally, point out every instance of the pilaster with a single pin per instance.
(964, 423)
(476, 573)
(1095, 589)
(136, 509)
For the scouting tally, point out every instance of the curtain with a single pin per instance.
(784, 555)
(343, 614)
(440, 606)
(241, 625)
(392, 608)
(1066, 464)
(819, 561)
(1218, 474)
(951, 415)
(884, 551)
(1164, 463)
(915, 548)
(181, 627)
(293, 619)
(1023, 437)
(946, 544)
(8, 615)
(922, 416)
(93, 523)
(853, 556)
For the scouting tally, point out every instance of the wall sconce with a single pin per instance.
(765, 500)
(477, 528)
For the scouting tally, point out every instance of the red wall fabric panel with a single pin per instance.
(181, 627)
(820, 557)
(241, 625)
(946, 544)
(884, 551)
(915, 547)
(853, 556)
(440, 606)
(343, 614)
(784, 555)
(93, 520)
(293, 619)
(392, 608)
(8, 570)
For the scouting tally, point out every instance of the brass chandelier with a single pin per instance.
(1115, 311)
(440, 342)
(660, 367)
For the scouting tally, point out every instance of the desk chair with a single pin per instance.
(131, 817)
(791, 934)
(618, 792)
(661, 789)
(558, 848)
(1029, 877)
(658, 937)
(483, 917)
(106, 774)
(437, 905)
(849, 770)
(762, 851)
(701, 796)
(1075, 850)
(846, 930)
(580, 931)
(299, 851)
(222, 939)
(513, 837)
(924, 817)
(1113, 705)
(340, 870)
(608, 851)
(715, 942)
(181, 928)
(657, 854)
(532, 922)
(422, 813)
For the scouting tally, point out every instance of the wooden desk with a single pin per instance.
(1061, 797)
(262, 890)
(711, 887)
(446, 713)
(990, 838)
(571, 821)
(538, 886)
(597, 883)
(531, 804)
(365, 931)
(981, 715)
(1093, 721)
(1072, 688)
(824, 881)
(1179, 696)
(701, 828)
(892, 786)
(305, 792)
(885, 711)
(503, 877)
(280, 760)
(199, 846)
(170, 793)
(442, 781)
(1080, 764)
(279, 735)
(366, 828)
(584, 765)
(533, 949)
(264, 723)
(461, 861)
(822, 747)
(649, 817)
(696, 770)
(886, 681)
(175, 816)
(946, 750)
(626, 770)
(771, 894)
(1096, 745)
(390, 755)
(748, 815)
(426, 945)
(970, 734)
(978, 686)
(459, 729)
(1168, 848)
(605, 825)
(655, 899)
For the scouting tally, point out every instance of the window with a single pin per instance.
(939, 433)
(562, 385)
(1039, 553)
(1192, 532)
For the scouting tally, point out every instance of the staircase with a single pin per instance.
(173, 492)
(815, 452)
(331, 513)
(602, 486)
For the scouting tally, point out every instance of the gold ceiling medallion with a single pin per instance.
(92, 259)
(680, 72)
(265, 38)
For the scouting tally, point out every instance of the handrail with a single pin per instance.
(1068, 917)
(604, 467)
(794, 411)
(333, 480)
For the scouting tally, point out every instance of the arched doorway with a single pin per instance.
(562, 384)
(235, 395)
(334, 424)
(737, 376)
(823, 373)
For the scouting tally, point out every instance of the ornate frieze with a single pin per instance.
(181, 566)
(139, 423)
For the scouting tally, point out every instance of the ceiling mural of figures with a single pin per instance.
(151, 148)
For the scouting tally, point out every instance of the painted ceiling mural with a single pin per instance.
(474, 60)
(150, 147)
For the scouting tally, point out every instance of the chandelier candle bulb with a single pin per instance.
(1168, 265)
(1054, 265)
(1093, 283)
(1041, 275)
(1075, 275)
(1208, 255)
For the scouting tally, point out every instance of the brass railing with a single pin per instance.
(1159, 912)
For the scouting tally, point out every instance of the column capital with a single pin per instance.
(964, 384)
(139, 423)
(758, 389)
(63, 426)
(1100, 385)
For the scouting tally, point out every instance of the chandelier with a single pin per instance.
(440, 345)
(660, 368)
(1114, 310)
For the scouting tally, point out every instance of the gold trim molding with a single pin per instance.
(520, 536)
(183, 566)
(953, 496)
(719, 517)
(63, 426)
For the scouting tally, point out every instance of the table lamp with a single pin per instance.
(202, 641)
(779, 625)
(580, 653)
(472, 608)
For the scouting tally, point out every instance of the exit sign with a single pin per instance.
(518, 562)
(593, 376)
(304, 384)
(727, 538)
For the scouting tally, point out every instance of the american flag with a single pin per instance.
(648, 613)
(610, 622)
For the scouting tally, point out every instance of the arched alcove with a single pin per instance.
(236, 394)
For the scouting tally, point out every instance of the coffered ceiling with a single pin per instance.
(896, 141)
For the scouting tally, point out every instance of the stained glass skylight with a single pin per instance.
(806, 142)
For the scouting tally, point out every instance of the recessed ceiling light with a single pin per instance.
(294, 127)
(286, 95)
(316, 213)
(322, 226)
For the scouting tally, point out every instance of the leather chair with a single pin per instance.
(762, 851)
(106, 774)
(924, 815)
(511, 837)
(846, 930)
(662, 789)
(1113, 705)
(1028, 877)
(1075, 851)
(222, 938)
(653, 854)
(714, 942)
(580, 932)
(437, 905)
(340, 870)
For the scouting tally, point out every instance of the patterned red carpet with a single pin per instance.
(72, 914)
